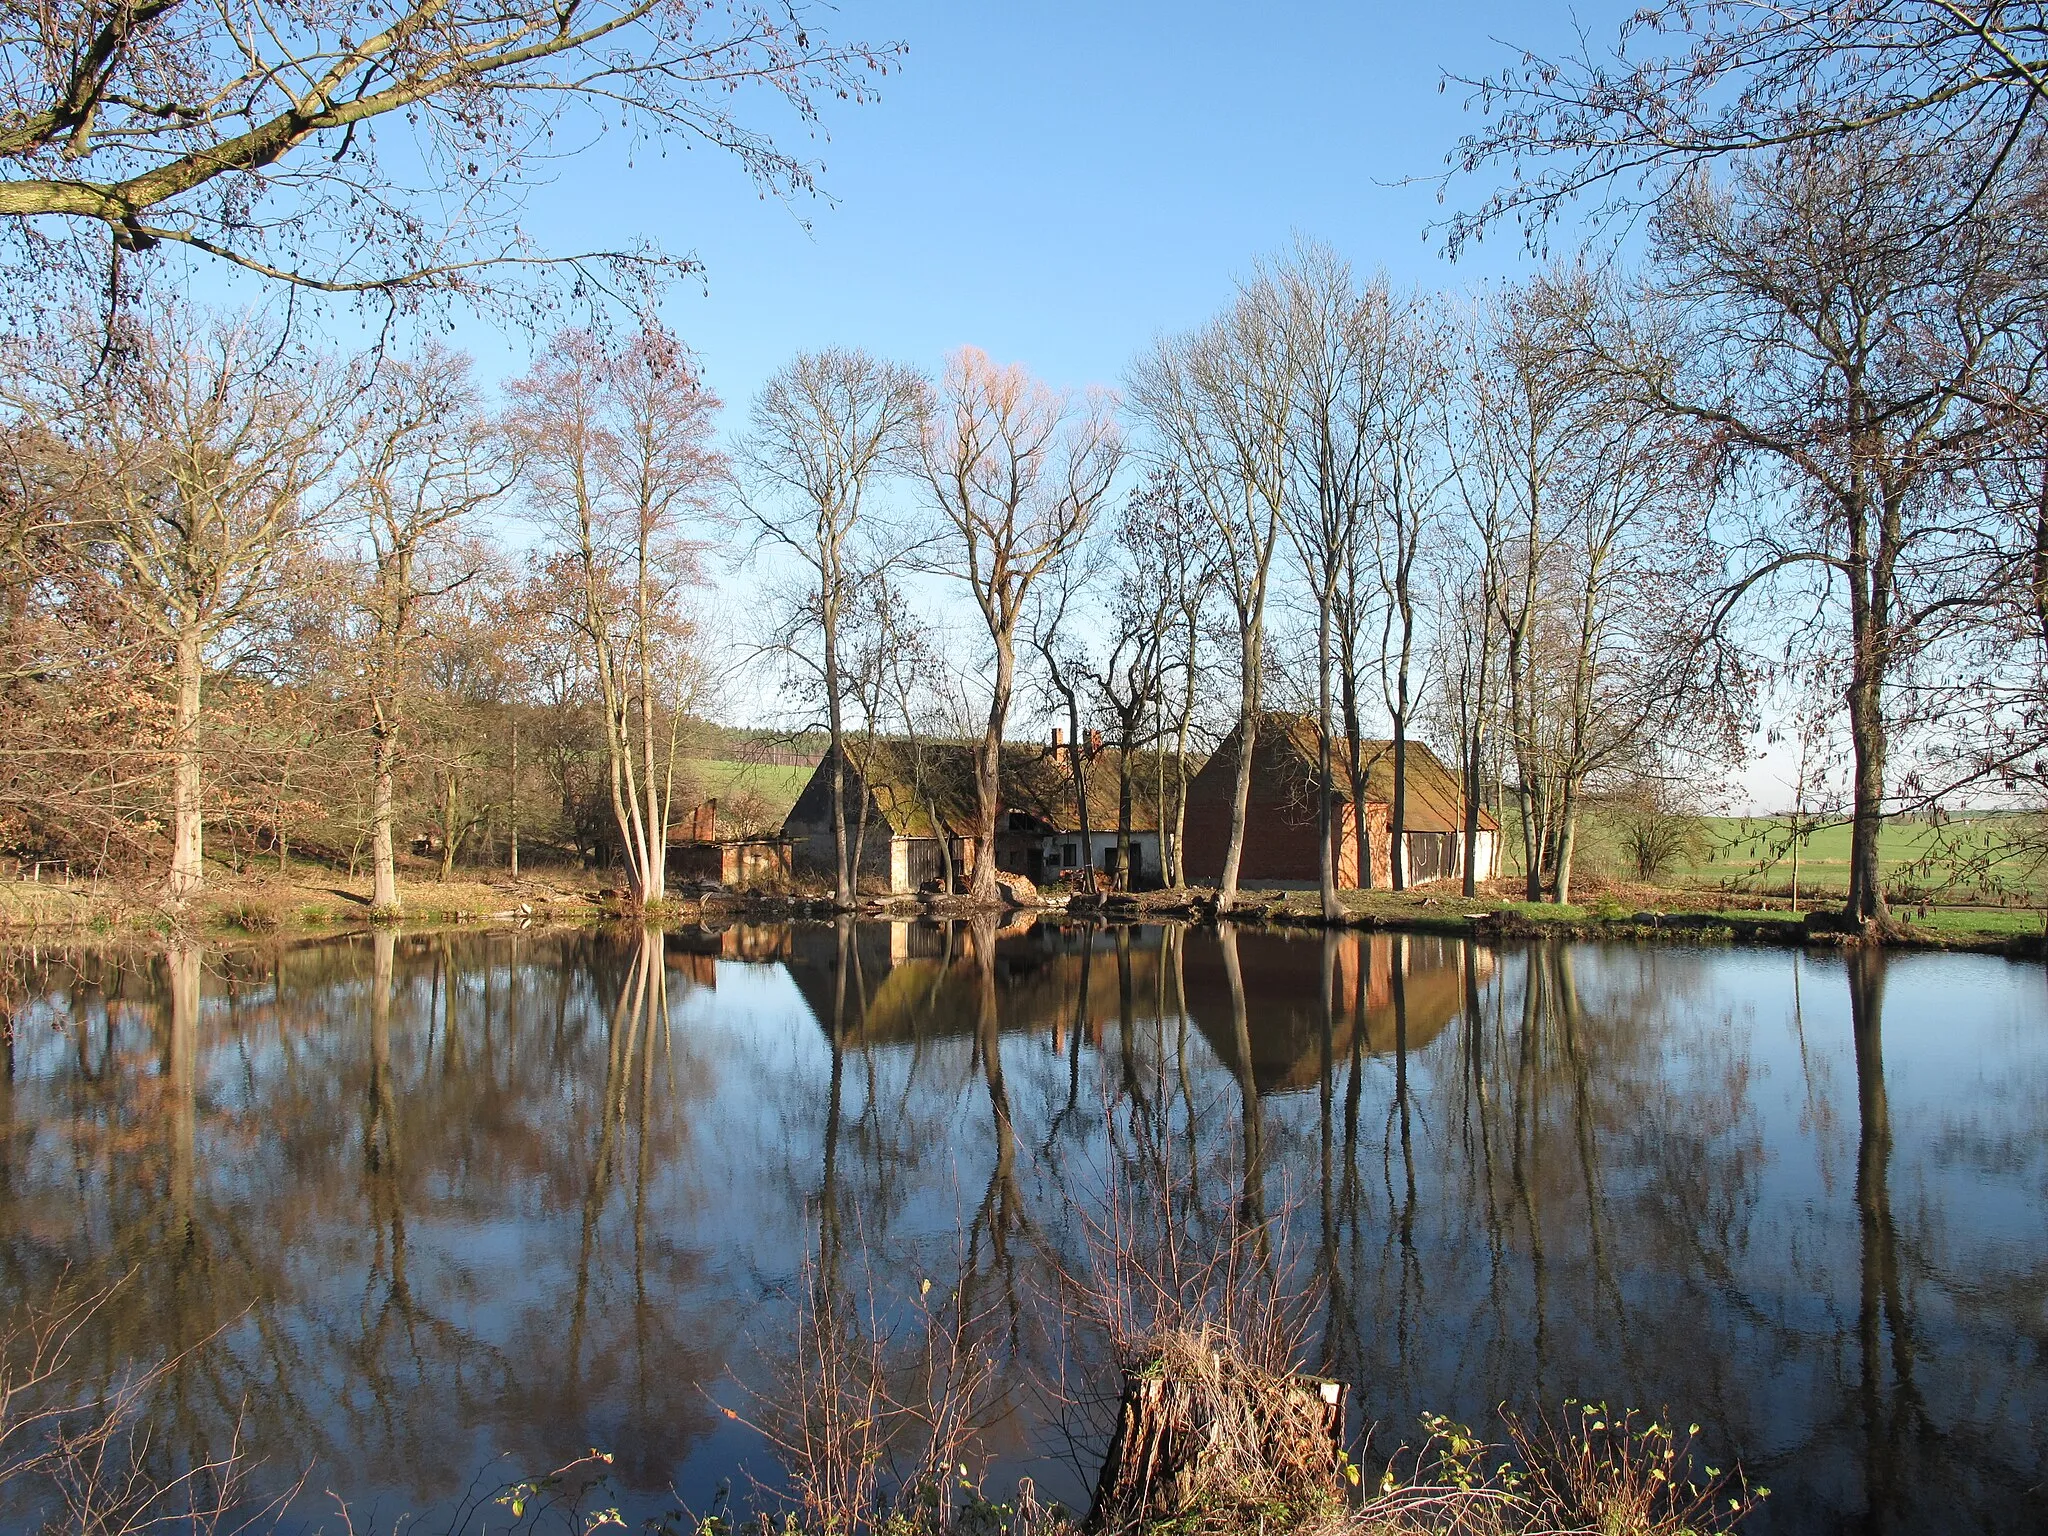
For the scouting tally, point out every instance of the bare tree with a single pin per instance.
(1018, 472)
(1688, 85)
(1218, 403)
(1168, 545)
(1471, 578)
(1836, 330)
(1410, 472)
(370, 149)
(1129, 679)
(1058, 636)
(618, 444)
(1338, 370)
(427, 461)
(200, 462)
(1533, 406)
(824, 430)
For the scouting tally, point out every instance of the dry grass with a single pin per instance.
(1588, 1473)
(878, 1410)
(308, 900)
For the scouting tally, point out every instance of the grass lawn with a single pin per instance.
(775, 787)
(1750, 851)
(2004, 922)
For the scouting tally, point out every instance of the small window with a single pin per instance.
(1070, 856)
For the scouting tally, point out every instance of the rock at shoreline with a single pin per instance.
(1016, 890)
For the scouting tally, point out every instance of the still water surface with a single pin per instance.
(403, 1205)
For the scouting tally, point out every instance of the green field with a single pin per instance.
(763, 791)
(1966, 859)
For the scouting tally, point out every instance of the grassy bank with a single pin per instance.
(309, 900)
(306, 899)
(1642, 913)
(1969, 857)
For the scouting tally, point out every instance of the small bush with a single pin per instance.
(252, 917)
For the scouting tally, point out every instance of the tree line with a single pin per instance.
(1774, 454)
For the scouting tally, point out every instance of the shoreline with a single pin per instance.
(317, 905)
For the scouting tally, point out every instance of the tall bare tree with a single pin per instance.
(1835, 319)
(1410, 472)
(617, 440)
(825, 429)
(427, 460)
(1168, 543)
(1336, 348)
(1217, 403)
(1018, 472)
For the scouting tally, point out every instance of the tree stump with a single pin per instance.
(1197, 1427)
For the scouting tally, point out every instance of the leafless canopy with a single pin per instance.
(1687, 82)
(367, 148)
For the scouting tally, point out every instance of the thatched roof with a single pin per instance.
(1436, 799)
(913, 782)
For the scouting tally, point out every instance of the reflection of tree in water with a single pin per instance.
(408, 1109)
(533, 1186)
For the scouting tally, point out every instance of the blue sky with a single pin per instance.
(1055, 183)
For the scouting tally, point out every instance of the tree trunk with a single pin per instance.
(1180, 769)
(515, 800)
(1247, 740)
(449, 835)
(988, 768)
(1326, 769)
(1123, 818)
(835, 718)
(1473, 766)
(1077, 760)
(1866, 902)
(1869, 614)
(1397, 817)
(188, 873)
(1532, 841)
(945, 839)
(1397, 812)
(1567, 843)
(383, 859)
(654, 834)
(1354, 751)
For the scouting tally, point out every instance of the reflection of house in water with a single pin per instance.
(696, 953)
(912, 981)
(1282, 980)
(883, 984)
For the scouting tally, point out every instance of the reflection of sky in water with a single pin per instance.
(521, 1218)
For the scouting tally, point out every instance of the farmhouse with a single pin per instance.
(917, 802)
(1280, 845)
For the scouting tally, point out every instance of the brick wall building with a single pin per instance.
(1281, 844)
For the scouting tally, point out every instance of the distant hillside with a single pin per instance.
(747, 744)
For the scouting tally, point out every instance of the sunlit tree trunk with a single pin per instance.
(187, 836)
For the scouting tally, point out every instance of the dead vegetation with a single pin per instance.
(79, 1458)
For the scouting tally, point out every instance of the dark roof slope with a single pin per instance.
(920, 786)
(1436, 799)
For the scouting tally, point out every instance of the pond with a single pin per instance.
(413, 1209)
